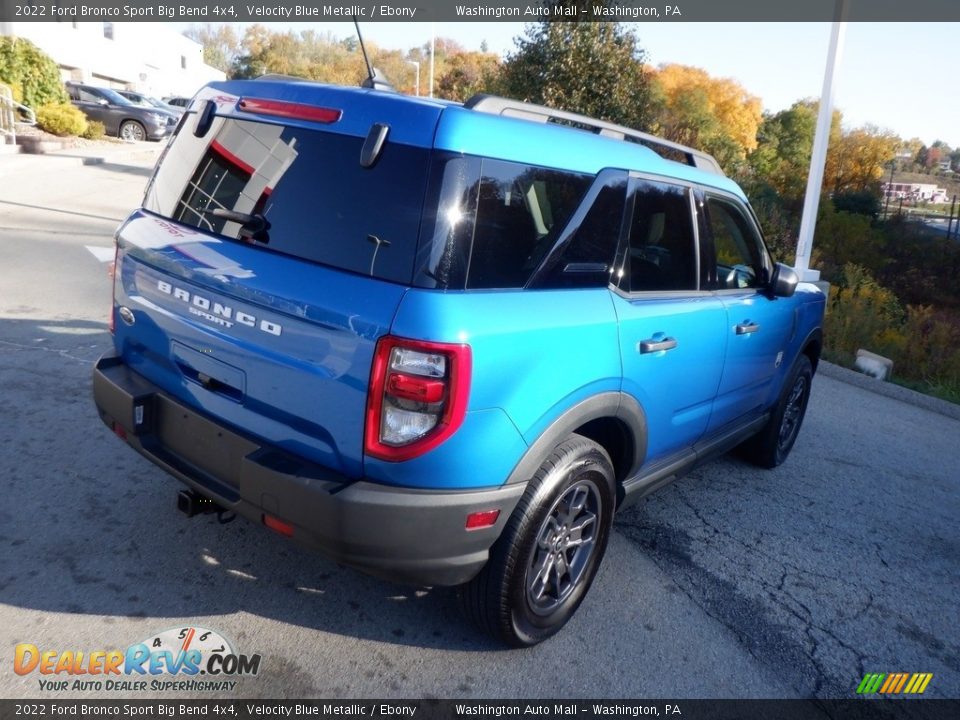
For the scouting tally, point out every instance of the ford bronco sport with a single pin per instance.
(443, 343)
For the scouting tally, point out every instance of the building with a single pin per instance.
(152, 58)
(914, 192)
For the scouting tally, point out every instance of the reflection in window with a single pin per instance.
(662, 253)
(584, 256)
(217, 182)
(520, 212)
(736, 247)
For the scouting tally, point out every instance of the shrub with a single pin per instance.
(61, 119)
(95, 130)
(31, 72)
(923, 342)
(862, 314)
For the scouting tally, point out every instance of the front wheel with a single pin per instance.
(771, 446)
(132, 130)
(542, 566)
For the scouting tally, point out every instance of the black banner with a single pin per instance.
(204, 11)
(926, 709)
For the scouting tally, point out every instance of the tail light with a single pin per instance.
(112, 273)
(418, 396)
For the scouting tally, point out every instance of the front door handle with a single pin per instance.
(654, 345)
(747, 327)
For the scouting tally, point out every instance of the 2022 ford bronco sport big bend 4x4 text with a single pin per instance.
(443, 343)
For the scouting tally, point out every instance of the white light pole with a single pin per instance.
(417, 81)
(821, 139)
(433, 42)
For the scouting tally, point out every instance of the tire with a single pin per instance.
(524, 595)
(132, 130)
(771, 446)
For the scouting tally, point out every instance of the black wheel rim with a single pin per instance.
(793, 413)
(565, 544)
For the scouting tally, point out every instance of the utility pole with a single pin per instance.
(953, 206)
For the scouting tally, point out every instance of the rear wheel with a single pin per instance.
(132, 130)
(544, 563)
(771, 446)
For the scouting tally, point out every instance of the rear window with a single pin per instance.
(321, 205)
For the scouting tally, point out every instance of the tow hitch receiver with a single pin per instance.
(192, 503)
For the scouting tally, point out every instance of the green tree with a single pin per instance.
(33, 75)
(592, 68)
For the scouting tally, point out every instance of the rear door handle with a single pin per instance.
(653, 345)
(747, 327)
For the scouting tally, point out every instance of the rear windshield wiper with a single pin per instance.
(253, 226)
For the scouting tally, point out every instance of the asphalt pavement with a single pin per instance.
(732, 582)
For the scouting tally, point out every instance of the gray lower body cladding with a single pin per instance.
(402, 534)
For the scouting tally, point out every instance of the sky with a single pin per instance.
(899, 76)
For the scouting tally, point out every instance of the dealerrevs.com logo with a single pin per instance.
(179, 659)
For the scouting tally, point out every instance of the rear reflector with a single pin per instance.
(278, 525)
(482, 519)
(297, 111)
(119, 431)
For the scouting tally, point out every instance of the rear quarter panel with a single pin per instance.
(534, 354)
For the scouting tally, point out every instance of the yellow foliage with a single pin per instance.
(738, 112)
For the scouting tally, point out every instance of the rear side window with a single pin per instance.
(662, 252)
(520, 212)
(584, 255)
(321, 205)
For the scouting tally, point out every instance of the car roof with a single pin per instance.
(450, 126)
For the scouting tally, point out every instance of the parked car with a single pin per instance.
(150, 102)
(444, 343)
(177, 101)
(120, 116)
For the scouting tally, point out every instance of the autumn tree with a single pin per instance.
(717, 115)
(221, 44)
(855, 160)
(467, 73)
(590, 67)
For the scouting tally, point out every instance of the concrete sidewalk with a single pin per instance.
(136, 153)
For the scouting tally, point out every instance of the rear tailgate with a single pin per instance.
(273, 336)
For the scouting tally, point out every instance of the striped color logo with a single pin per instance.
(894, 683)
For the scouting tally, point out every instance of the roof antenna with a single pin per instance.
(374, 79)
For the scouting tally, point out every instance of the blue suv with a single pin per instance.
(444, 343)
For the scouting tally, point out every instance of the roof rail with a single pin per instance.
(280, 76)
(506, 107)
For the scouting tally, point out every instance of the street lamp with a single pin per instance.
(417, 66)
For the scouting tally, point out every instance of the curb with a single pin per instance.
(890, 390)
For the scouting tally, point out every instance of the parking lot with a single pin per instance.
(732, 582)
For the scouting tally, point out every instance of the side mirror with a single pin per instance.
(784, 281)
(103, 102)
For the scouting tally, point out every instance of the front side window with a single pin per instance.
(662, 252)
(740, 255)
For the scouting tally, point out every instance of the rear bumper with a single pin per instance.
(401, 534)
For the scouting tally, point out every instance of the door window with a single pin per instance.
(662, 252)
(740, 255)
